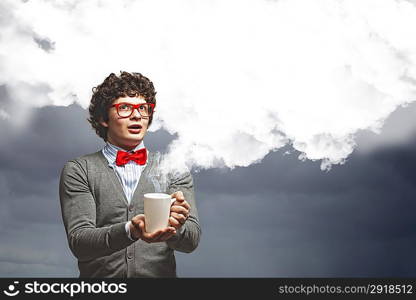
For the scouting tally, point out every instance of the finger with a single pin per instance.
(179, 217)
(178, 195)
(166, 234)
(135, 222)
(184, 204)
(154, 236)
(137, 219)
(179, 209)
(175, 214)
(148, 236)
(173, 222)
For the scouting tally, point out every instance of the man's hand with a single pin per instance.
(179, 210)
(137, 231)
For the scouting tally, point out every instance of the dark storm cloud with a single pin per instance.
(31, 159)
(364, 226)
(44, 43)
(3, 94)
(282, 217)
(52, 136)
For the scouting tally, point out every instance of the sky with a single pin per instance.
(281, 217)
(302, 152)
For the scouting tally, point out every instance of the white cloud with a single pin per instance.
(235, 79)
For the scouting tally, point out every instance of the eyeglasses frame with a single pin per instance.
(135, 106)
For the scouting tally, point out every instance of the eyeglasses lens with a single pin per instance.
(125, 110)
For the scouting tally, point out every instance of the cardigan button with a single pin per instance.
(131, 208)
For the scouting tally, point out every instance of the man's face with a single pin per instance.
(120, 130)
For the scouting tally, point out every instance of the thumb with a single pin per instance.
(141, 226)
(178, 196)
(137, 219)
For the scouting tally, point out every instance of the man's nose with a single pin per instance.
(136, 113)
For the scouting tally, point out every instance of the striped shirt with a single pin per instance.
(129, 174)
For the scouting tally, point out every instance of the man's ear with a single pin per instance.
(105, 124)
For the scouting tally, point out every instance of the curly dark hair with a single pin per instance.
(112, 88)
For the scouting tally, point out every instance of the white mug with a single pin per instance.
(157, 211)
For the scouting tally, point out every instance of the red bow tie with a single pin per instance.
(140, 157)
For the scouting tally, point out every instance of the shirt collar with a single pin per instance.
(110, 151)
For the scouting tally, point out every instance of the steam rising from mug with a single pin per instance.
(235, 79)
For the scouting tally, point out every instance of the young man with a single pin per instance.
(101, 194)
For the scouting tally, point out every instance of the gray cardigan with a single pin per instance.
(95, 211)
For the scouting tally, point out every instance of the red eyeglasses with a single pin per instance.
(125, 110)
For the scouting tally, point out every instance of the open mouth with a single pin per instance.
(134, 128)
(137, 126)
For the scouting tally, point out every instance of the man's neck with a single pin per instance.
(128, 148)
